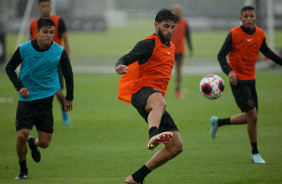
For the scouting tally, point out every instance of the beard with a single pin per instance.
(162, 37)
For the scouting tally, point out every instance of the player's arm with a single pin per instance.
(11, 67)
(66, 43)
(68, 75)
(63, 34)
(269, 53)
(225, 49)
(141, 52)
(188, 38)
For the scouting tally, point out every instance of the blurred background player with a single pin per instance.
(61, 34)
(146, 71)
(180, 34)
(242, 45)
(37, 83)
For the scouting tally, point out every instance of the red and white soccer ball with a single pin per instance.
(212, 86)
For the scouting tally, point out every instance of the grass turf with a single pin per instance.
(106, 140)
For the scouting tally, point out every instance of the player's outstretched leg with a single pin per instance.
(163, 137)
(129, 180)
(35, 153)
(214, 126)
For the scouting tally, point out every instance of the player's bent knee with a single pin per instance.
(44, 144)
(176, 150)
(179, 150)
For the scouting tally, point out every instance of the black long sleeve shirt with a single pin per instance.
(64, 63)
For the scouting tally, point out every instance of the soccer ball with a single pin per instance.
(212, 86)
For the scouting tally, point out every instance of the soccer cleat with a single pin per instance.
(163, 137)
(180, 95)
(22, 175)
(214, 126)
(35, 153)
(256, 158)
(66, 118)
(129, 180)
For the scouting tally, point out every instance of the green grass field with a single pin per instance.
(106, 140)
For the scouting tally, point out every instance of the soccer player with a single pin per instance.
(60, 35)
(37, 83)
(242, 45)
(146, 71)
(180, 34)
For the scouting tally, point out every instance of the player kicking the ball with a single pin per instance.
(146, 72)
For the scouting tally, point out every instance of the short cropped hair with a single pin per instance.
(44, 22)
(247, 8)
(39, 1)
(164, 15)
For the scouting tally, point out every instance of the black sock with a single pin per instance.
(153, 131)
(222, 122)
(139, 175)
(23, 166)
(254, 148)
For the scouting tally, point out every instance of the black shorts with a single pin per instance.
(38, 113)
(61, 79)
(139, 100)
(245, 95)
(178, 57)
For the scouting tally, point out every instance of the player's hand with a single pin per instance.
(24, 92)
(232, 78)
(122, 69)
(68, 106)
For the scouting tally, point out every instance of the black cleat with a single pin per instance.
(35, 153)
(22, 175)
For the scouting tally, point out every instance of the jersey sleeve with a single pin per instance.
(188, 36)
(142, 52)
(62, 28)
(269, 53)
(12, 65)
(225, 49)
(68, 74)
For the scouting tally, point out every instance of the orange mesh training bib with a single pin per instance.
(154, 73)
(245, 51)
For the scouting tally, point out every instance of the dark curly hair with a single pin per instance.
(164, 15)
(247, 8)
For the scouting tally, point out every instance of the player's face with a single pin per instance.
(45, 36)
(164, 30)
(45, 8)
(248, 18)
